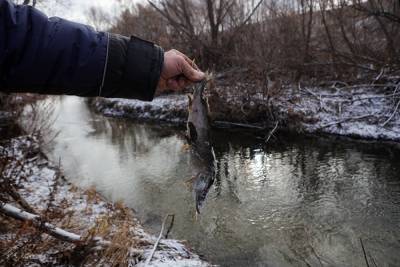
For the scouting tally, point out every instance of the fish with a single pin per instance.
(202, 153)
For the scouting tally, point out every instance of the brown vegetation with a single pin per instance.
(50, 234)
(292, 40)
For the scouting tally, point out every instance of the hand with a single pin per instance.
(178, 72)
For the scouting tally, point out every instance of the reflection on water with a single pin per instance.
(303, 202)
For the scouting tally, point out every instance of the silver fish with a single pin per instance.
(202, 154)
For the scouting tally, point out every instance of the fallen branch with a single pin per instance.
(345, 120)
(395, 89)
(39, 223)
(317, 96)
(226, 124)
(97, 243)
(397, 95)
(272, 132)
(379, 76)
(369, 85)
(307, 90)
(351, 101)
(148, 260)
(392, 115)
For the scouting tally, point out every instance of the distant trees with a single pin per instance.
(99, 18)
(386, 15)
(207, 27)
(145, 22)
(295, 39)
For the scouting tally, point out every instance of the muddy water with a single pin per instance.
(296, 202)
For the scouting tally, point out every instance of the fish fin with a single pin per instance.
(192, 131)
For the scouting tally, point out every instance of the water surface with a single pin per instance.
(294, 202)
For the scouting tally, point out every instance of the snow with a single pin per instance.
(171, 109)
(357, 111)
(26, 216)
(40, 182)
(361, 112)
(174, 263)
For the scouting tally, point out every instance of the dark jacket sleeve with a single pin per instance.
(56, 56)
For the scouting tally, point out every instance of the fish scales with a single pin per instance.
(202, 155)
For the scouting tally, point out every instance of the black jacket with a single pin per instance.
(55, 56)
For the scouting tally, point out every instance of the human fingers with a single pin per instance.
(191, 73)
(191, 62)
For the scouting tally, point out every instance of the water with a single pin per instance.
(296, 202)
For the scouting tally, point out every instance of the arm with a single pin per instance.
(56, 56)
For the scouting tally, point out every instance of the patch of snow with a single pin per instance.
(171, 109)
(356, 111)
(37, 183)
(359, 112)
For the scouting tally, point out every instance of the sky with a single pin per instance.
(76, 10)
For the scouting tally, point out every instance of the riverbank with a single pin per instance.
(43, 190)
(290, 187)
(367, 111)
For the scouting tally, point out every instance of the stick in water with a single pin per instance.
(148, 260)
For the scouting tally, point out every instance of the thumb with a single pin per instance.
(191, 73)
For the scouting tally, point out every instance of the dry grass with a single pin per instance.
(119, 228)
(22, 244)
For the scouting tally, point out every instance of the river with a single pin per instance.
(297, 201)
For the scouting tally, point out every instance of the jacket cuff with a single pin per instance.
(133, 68)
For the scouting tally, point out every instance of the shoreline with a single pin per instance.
(82, 212)
(367, 112)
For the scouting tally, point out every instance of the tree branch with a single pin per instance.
(41, 224)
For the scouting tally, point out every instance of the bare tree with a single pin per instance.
(387, 15)
(295, 39)
(99, 18)
(209, 27)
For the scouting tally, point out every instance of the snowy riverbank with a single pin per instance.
(369, 111)
(82, 212)
(171, 109)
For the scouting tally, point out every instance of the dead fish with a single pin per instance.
(202, 155)
(198, 125)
